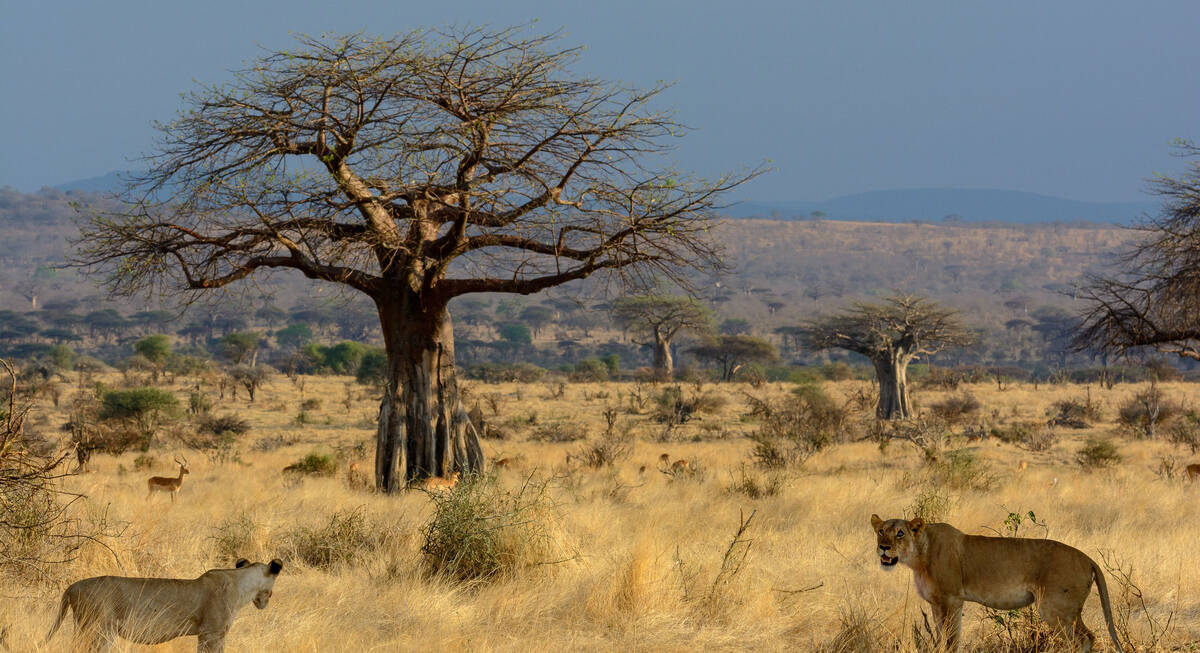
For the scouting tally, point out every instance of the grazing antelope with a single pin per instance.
(168, 483)
(503, 463)
(1193, 471)
(664, 460)
(1022, 466)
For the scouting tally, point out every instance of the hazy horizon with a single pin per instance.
(1074, 100)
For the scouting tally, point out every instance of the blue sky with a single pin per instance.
(1073, 98)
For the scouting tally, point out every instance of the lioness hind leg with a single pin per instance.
(1068, 624)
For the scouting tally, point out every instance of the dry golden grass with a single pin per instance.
(647, 570)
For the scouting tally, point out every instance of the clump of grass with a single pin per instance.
(858, 632)
(480, 531)
(755, 484)
(233, 537)
(1097, 453)
(341, 540)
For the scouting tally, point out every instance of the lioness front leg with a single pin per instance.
(947, 614)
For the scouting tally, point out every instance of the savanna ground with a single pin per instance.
(616, 558)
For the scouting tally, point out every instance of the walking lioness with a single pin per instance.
(1003, 573)
(155, 610)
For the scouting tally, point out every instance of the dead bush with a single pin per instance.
(1075, 413)
(1146, 411)
(559, 431)
(956, 409)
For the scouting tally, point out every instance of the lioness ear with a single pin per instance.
(876, 522)
(916, 524)
(275, 566)
(242, 562)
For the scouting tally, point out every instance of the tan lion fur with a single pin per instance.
(155, 610)
(1002, 573)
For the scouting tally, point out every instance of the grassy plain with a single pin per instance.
(645, 566)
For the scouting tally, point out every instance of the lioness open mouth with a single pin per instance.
(888, 562)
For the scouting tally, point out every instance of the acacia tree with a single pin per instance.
(891, 333)
(731, 353)
(413, 169)
(1151, 298)
(663, 317)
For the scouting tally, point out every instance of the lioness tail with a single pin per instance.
(62, 612)
(1102, 587)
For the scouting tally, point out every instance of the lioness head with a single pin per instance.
(266, 584)
(896, 539)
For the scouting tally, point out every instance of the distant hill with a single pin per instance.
(103, 184)
(902, 205)
(934, 204)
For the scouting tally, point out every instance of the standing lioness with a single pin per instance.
(1003, 573)
(155, 610)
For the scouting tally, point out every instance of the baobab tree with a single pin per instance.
(662, 317)
(891, 333)
(1151, 300)
(413, 169)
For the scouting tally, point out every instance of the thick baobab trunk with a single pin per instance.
(892, 373)
(423, 429)
(664, 366)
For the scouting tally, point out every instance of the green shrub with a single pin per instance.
(507, 372)
(1097, 453)
(224, 425)
(931, 504)
(314, 464)
(961, 469)
(479, 531)
(590, 369)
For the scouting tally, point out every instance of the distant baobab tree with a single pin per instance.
(413, 169)
(662, 317)
(891, 333)
(1152, 299)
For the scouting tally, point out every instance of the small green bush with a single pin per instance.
(225, 425)
(315, 464)
(1097, 453)
(961, 469)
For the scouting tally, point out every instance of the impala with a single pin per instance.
(168, 483)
